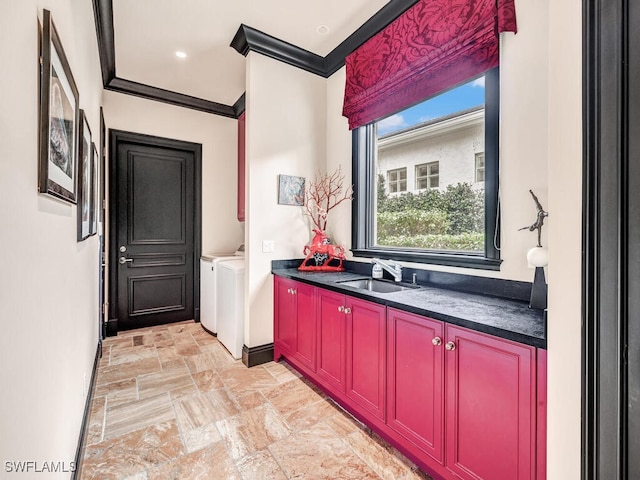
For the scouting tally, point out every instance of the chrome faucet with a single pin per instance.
(390, 266)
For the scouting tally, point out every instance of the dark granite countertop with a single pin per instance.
(503, 317)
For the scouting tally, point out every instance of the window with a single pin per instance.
(480, 167)
(397, 180)
(451, 215)
(427, 175)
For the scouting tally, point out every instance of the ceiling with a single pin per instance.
(138, 41)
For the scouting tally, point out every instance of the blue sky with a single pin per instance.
(465, 96)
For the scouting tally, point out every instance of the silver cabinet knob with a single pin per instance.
(347, 311)
(341, 308)
(436, 341)
(450, 346)
(293, 291)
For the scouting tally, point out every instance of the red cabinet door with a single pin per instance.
(305, 346)
(415, 393)
(331, 339)
(490, 407)
(241, 167)
(366, 355)
(285, 318)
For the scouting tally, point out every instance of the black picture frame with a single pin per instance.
(95, 175)
(59, 119)
(85, 179)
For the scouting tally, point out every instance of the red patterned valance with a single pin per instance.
(433, 46)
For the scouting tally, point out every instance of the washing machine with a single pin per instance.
(230, 308)
(208, 275)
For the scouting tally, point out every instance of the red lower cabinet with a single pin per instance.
(285, 329)
(332, 332)
(490, 407)
(415, 390)
(366, 355)
(295, 322)
(352, 350)
(462, 404)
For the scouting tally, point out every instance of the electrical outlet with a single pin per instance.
(268, 246)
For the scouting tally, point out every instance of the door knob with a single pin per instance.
(450, 346)
(436, 341)
(123, 260)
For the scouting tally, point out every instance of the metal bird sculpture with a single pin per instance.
(537, 225)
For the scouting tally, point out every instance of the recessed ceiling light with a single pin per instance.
(181, 54)
(322, 29)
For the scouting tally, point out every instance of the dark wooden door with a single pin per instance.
(155, 249)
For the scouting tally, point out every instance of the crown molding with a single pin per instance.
(249, 39)
(334, 61)
(103, 13)
(245, 40)
(167, 96)
(240, 105)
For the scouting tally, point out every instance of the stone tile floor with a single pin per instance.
(171, 403)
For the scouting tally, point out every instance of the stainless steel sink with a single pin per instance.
(374, 285)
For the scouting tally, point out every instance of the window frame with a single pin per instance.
(477, 169)
(428, 177)
(364, 182)
(398, 181)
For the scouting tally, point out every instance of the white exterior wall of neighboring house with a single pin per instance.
(452, 142)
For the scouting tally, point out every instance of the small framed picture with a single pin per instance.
(290, 190)
(95, 179)
(85, 180)
(59, 119)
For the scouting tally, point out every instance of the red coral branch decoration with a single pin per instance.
(324, 194)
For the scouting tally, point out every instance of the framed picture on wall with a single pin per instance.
(59, 119)
(85, 179)
(290, 190)
(95, 177)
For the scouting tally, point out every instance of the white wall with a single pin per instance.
(565, 239)
(48, 281)
(221, 231)
(285, 135)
